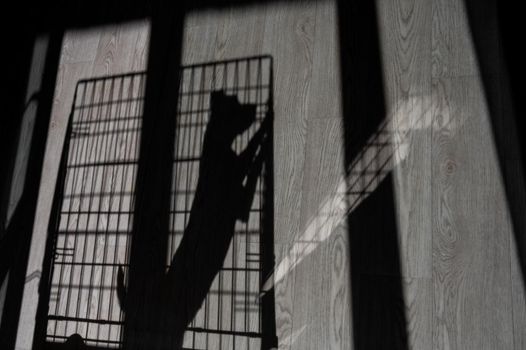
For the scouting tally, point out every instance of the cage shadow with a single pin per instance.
(221, 172)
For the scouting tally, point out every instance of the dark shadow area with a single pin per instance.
(378, 300)
(495, 27)
(17, 78)
(15, 235)
(378, 310)
(148, 252)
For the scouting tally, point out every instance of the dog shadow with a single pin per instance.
(225, 191)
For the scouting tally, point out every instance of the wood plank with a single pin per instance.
(321, 299)
(227, 33)
(518, 295)
(283, 283)
(325, 91)
(311, 296)
(418, 297)
(289, 38)
(405, 41)
(323, 235)
(121, 49)
(471, 261)
(80, 46)
(405, 32)
(452, 46)
(323, 177)
(289, 32)
(338, 313)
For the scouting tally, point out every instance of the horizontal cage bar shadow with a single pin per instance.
(94, 213)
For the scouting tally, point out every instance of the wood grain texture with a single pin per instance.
(323, 176)
(289, 39)
(311, 298)
(472, 278)
(121, 49)
(284, 293)
(229, 33)
(405, 31)
(518, 301)
(339, 311)
(322, 303)
(321, 238)
(452, 45)
(471, 271)
(289, 143)
(418, 297)
(324, 94)
(80, 46)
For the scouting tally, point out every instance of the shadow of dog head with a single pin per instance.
(229, 117)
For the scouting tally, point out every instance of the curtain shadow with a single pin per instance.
(378, 310)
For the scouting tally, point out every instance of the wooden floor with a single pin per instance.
(458, 270)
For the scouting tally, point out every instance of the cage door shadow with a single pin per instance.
(225, 191)
(220, 230)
